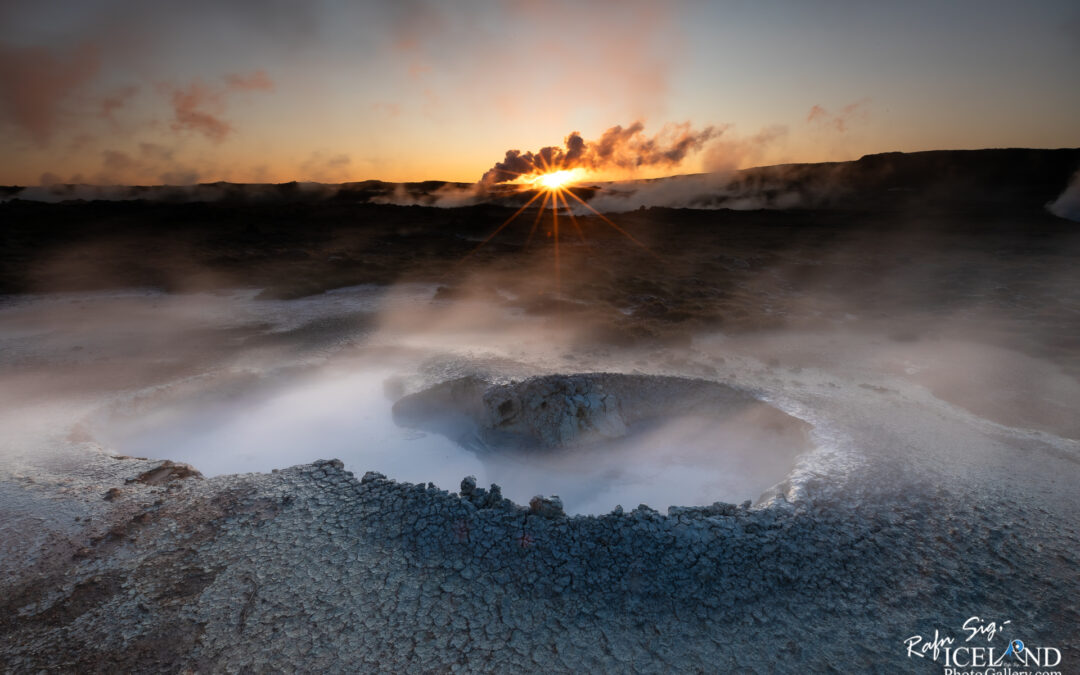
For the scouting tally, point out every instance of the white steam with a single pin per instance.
(1067, 205)
(231, 383)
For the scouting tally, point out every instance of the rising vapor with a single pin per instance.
(1067, 205)
(618, 148)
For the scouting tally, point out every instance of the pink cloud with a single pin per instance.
(198, 108)
(841, 121)
(116, 100)
(36, 82)
(254, 81)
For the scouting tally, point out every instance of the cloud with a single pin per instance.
(617, 148)
(841, 121)
(549, 45)
(255, 81)
(36, 82)
(729, 152)
(199, 107)
(116, 100)
(150, 162)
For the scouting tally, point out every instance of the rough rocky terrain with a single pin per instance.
(311, 568)
(931, 357)
(115, 563)
(567, 411)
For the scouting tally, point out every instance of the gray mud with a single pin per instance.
(310, 568)
(562, 411)
(899, 513)
(600, 423)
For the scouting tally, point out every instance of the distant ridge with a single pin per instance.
(1003, 176)
(1006, 177)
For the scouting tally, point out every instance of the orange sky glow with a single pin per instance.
(119, 92)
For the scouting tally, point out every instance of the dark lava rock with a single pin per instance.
(166, 472)
(562, 411)
(547, 507)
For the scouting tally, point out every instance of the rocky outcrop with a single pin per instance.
(310, 569)
(166, 472)
(561, 411)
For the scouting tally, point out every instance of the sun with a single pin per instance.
(553, 187)
(556, 180)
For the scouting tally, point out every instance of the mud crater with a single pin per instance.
(610, 423)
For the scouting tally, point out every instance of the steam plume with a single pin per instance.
(618, 148)
(1067, 205)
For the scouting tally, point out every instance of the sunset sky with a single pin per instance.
(275, 90)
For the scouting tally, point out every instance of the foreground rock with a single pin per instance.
(311, 569)
(564, 411)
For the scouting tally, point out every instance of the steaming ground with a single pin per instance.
(264, 384)
(930, 356)
(232, 383)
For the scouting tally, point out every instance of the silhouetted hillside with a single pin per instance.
(1018, 178)
(1013, 179)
